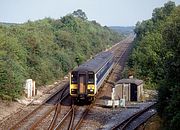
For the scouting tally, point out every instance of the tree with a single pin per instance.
(12, 64)
(156, 59)
(163, 12)
(80, 14)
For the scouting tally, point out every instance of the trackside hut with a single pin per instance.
(129, 89)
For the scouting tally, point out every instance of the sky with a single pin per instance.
(105, 12)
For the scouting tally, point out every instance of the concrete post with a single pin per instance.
(33, 88)
(112, 98)
(28, 88)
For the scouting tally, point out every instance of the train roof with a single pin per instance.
(95, 63)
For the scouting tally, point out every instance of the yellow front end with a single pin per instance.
(91, 90)
(73, 90)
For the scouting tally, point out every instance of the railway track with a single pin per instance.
(119, 54)
(119, 51)
(32, 119)
(71, 113)
(136, 119)
(73, 116)
(57, 109)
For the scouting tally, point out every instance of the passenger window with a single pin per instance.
(74, 77)
(91, 78)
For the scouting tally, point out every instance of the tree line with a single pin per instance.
(156, 60)
(46, 50)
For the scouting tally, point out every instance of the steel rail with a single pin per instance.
(123, 125)
(72, 112)
(14, 127)
(40, 120)
(70, 127)
(44, 116)
(58, 108)
(63, 119)
(83, 116)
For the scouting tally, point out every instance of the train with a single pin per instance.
(86, 79)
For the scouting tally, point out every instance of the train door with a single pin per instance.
(82, 83)
(133, 92)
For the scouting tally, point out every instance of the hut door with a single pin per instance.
(82, 83)
(133, 92)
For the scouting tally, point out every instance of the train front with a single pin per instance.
(82, 85)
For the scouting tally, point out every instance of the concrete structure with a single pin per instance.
(129, 89)
(30, 89)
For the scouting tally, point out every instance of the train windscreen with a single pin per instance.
(91, 78)
(74, 76)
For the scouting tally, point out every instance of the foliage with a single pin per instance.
(47, 49)
(79, 13)
(12, 64)
(156, 59)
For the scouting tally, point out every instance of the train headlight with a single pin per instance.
(91, 90)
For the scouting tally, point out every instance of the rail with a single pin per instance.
(123, 125)
(18, 124)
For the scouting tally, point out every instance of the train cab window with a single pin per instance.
(74, 77)
(91, 77)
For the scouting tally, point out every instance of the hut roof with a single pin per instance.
(134, 81)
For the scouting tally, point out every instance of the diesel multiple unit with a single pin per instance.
(86, 79)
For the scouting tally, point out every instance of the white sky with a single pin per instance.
(105, 12)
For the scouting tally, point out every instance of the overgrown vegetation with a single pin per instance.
(156, 59)
(47, 49)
